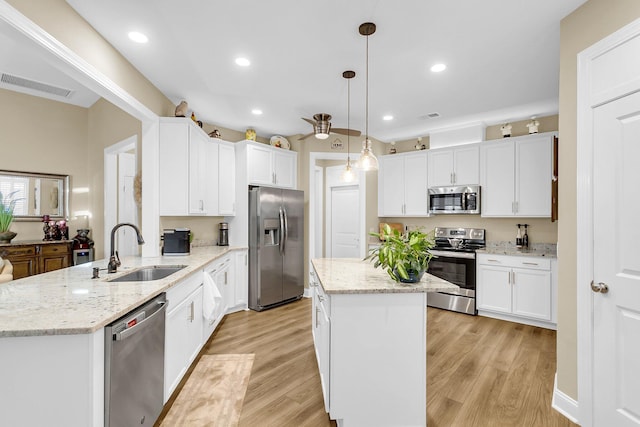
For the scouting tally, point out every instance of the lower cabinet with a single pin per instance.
(184, 329)
(31, 259)
(517, 288)
(371, 354)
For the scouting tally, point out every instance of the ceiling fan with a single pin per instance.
(322, 127)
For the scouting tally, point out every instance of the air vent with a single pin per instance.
(33, 85)
(433, 115)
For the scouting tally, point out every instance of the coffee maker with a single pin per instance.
(223, 234)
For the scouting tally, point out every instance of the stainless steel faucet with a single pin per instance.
(114, 259)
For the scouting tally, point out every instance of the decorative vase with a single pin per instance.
(6, 236)
(414, 276)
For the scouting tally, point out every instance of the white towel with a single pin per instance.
(212, 298)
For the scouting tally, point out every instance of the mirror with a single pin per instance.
(37, 194)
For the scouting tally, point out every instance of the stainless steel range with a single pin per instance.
(455, 261)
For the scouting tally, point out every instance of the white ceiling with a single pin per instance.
(502, 58)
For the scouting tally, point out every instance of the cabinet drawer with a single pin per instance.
(179, 292)
(536, 263)
(17, 251)
(54, 249)
(218, 265)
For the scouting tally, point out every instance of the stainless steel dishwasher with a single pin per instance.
(134, 366)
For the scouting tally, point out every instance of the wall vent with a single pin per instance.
(433, 115)
(34, 85)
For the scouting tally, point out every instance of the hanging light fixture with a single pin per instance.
(368, 160)
(347, 173)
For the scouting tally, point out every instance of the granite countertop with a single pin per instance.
(518, 252)
(68, 301)
(355, 276)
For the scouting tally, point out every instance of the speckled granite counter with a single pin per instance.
(545, 251)
(354, 276)
(68, 301)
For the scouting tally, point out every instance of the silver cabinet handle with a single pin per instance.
(317, 316)
(225, 277)
(599, 287)
(321, 298)
(530, 263)
(493, 260)
(193, 314)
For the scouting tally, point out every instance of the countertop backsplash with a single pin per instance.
(508, 247)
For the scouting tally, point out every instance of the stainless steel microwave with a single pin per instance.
(454, 200)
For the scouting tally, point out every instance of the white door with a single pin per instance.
(616, 314)
(127, 211)
(345, 222)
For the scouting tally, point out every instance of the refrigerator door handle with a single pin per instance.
(282, 230)
(286, 229)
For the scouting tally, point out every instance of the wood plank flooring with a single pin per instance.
(480, 371)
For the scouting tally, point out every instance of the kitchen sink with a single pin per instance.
(145, 274)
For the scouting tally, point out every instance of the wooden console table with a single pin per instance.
(35, 257)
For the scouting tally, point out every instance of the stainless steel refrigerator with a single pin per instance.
(276, 246)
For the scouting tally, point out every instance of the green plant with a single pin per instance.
(7, 203)
(403, 255)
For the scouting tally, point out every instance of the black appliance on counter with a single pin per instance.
(455, 261)
(176, 241)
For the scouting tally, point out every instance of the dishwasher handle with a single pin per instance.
(126, 333)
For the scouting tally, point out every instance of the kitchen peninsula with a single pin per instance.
(52, 338)
(370, 339)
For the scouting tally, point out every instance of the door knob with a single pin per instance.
(599, 287)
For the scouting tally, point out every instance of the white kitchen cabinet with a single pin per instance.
(517, 288)
(321, 309)
(197, 173)
(271, 166)
(241, 279)
(184, 329)
(402, 185)
(515, 176)
(226, 179)
(454, 166)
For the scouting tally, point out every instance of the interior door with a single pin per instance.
(345, 222)
(127, 211)
(616, 313)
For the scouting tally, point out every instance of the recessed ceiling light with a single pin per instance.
(243, 62)
(438, 68)
(256, 111)
(138, 37)
(387, 117)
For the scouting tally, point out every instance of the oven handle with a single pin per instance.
(453, 254)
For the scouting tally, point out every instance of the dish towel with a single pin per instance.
(212, 297)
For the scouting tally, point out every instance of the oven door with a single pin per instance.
(458, 268)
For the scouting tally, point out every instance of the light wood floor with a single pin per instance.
(480, 371)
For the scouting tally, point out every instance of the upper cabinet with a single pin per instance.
(271, 166)
(515, 176)
(402, 185)
(197, 173)
(454, 166)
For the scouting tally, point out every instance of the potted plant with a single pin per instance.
(7, 203)
(405, 256)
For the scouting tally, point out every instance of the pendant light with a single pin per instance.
(368, 160)
(347, 173)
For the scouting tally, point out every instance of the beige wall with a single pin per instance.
(590, 23)
(39, 135)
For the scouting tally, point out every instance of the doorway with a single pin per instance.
(119, 205)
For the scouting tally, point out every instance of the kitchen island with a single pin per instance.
(52, 335)
(370, 339)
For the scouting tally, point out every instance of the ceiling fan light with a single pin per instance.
(322, 135)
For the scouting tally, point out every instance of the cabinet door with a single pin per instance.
(197, 177)
(493, 290)
(323, 351)
(497, 178)
(24, 267)
(533, 158)
(440, 167)
(259, 167)
(391, 186)
(284, 169)
(241, 280)
(532, 293)
(415, 185)
(226, 180)
(174, 169)
(223, 280)
(195, 325)
(466, 165)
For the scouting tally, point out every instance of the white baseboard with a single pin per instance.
(563, 403)
(306, 293)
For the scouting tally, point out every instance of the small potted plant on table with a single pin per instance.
(7, 203)
(405, 256)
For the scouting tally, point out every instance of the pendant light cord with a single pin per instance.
(366, 115)
(348, 119)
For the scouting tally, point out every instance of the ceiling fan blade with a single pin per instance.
(306, 136)
(311, 122)
(342, 131)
